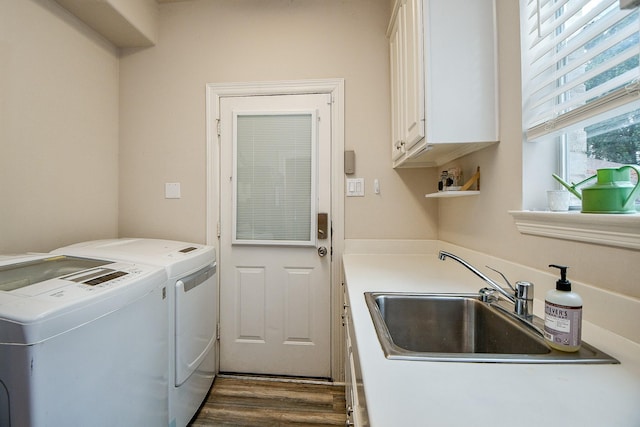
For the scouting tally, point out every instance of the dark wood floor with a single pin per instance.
(248, 402)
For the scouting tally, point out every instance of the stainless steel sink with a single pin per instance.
(462, 328)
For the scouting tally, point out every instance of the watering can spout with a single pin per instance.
(571, 188)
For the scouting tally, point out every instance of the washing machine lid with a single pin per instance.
(41, 297)
(19, 272)
(14, 258)
(178, 258)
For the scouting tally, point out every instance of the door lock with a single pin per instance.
(323, 226)
(322, 251)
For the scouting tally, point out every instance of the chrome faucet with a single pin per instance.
(522, 297)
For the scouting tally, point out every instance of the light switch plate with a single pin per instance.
(172, 190)
(355, 187)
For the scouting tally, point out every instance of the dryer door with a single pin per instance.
(195, 319)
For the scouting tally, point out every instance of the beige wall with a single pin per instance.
(59, 125)
(162, 114)
(58, 129)
(483, 223)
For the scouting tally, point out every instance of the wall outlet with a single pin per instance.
(172, 190)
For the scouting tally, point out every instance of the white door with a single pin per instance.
(276, 277)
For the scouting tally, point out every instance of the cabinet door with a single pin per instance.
(413, 120)
(396, 68)
(349, 383)
(443, 71)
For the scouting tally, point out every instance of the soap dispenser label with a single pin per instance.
(562, 324)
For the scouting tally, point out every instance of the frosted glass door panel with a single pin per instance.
(274, 190)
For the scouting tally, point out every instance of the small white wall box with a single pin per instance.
(172, 190)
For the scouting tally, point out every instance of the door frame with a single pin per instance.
(333, 87)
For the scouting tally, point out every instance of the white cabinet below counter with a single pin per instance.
(443, 80)
(354, 390)
(425, 393)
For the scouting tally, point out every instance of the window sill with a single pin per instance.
(621, 231)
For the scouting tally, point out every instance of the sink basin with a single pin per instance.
(461, 327)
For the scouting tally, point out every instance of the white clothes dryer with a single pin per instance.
(192, 294)
(82, 342)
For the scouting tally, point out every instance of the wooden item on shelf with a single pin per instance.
(474, 178)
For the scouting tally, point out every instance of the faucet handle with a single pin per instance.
(503, 277)
(524, 290)
(524, 300)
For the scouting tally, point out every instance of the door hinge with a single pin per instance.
(218, 331)
(330, 99)
(218, 127)
(218, 229)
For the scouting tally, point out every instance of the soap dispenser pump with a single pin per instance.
(563, 315)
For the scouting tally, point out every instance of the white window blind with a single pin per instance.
(274, 190)
(580, 60)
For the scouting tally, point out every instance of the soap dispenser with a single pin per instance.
(563, 315)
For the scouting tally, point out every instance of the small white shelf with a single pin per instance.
(443, 194)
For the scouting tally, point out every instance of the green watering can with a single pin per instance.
(612, 193)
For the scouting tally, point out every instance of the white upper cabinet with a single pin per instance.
(443, 80)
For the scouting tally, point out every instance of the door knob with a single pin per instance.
(322, 251)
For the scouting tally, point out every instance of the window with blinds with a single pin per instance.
(274, 191)
(581, 82)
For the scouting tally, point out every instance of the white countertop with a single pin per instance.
(425, 393)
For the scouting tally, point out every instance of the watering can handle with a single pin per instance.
(634, 194)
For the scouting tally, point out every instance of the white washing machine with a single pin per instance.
(82, 342)
(192, 292)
